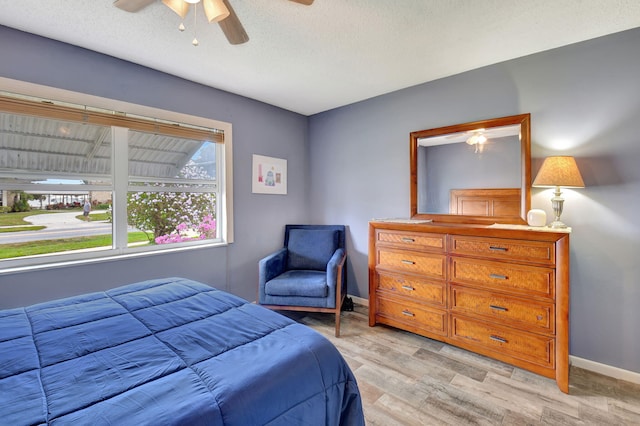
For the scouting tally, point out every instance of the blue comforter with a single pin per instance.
(168, 352)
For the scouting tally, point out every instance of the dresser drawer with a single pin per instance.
(512, 311)
(428, 264)
(412, 240)
(517, 250)
(418, 290)
(402, 314)
(512, 278)
(517, 344)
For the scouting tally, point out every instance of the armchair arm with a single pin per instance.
(270, 267)
(335, 276)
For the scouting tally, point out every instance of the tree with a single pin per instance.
(20, 203)
(165, 213)
(39, 197)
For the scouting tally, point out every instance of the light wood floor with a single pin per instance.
(407, 379)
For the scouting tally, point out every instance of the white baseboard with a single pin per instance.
(359, 300)
(596, 367)
(607, 370)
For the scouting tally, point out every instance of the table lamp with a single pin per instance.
(556, 172)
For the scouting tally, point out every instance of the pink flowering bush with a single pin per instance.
(207, 227)
(171, 238)
(206, 230)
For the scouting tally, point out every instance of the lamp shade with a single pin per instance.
(178, 6)
(215, 10)
(559, 171)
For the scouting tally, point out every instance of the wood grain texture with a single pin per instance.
(413, 241)
(523, 251)
(428, 291)
(406, 379)
(427, 264)
(500, 202)
(517, 279)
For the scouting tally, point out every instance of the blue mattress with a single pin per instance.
(168, 352)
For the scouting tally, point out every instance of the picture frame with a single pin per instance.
(269, 175)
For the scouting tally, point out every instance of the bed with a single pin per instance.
(168, 352)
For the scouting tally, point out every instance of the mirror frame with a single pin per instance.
(525, 158)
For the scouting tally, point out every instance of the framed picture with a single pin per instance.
(269, 175)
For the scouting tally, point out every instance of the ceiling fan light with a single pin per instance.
(192, 1)
(180, 7)
(215, 10)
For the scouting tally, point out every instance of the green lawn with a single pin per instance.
(8, 251)
(22, 228)
(95, 216)
(17, 218)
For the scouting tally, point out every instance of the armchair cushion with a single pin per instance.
(311, 249)
(298, 283)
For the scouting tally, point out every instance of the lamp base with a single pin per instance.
(557, 225)
(557, 203)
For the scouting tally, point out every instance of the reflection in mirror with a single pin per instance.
(481, 158)
(474, 172)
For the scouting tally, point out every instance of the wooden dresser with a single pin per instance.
(501, 292)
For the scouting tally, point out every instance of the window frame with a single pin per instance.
(141, 116)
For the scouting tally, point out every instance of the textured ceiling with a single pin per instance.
(310, 59)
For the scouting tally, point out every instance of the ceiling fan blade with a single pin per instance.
(305, 2)
(232, 28)
(132, 5)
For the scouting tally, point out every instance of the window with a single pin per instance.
(79, 183)
(172, 188)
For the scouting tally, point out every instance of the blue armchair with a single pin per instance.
(308, 273)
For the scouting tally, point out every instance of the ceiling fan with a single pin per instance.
(219, 11)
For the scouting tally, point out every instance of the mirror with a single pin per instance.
(478, 172)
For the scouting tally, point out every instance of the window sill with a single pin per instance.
(130, 253)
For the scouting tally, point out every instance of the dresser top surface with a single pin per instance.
(496, 230)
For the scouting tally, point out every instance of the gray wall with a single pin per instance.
(584, 101)
(257, 129)
(351, 164)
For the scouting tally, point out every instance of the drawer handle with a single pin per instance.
(498, 276)
(495, 248)
(498, 308)
(498, 339)
(408, 287)
(408, 240)
(408, 262)
(408, 313)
